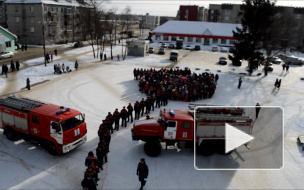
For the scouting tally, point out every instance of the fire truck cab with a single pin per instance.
(57, 128)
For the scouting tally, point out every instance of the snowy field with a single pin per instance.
(99, 87)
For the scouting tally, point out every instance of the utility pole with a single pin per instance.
(43, 43)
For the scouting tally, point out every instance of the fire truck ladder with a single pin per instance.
(20, 103)
(222, 117)
(210, 109)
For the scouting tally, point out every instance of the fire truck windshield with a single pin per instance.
(72, 122)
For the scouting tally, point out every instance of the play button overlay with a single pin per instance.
(224, 134)
(235, 138)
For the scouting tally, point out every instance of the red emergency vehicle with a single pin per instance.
(57, 128)
(176, 127)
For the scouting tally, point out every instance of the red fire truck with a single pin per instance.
(57, 128)
(176, 127)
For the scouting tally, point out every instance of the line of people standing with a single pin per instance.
(13, 67)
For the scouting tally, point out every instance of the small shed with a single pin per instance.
(138, 47)
(7, 40)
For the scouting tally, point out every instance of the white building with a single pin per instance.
(207, 33)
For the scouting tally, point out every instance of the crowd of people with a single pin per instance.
(175, 84)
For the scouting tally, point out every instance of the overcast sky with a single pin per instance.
(170, 7)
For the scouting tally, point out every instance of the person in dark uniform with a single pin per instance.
(123, 115)
(130, 112)
(111, 119)
(17, 65)
(88, 183)
(257, 110)
(142, 106)
(137, 109)
(158, 99)
(142, 172)
(148, 105)
(28, 85)
(116, 116)
(152, 101)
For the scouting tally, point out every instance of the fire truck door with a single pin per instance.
(170, 132)
(56, 131)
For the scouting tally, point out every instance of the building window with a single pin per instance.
(211, 17)
(212, 11)
(17, 19)
(45, 9)
(227, 18)
(35, 119)
(298, 16)
(231, 42)
(173, 38)
(190, 39)
(198, 39)
(223, 41)
(214, 40)
(8, 44)
(181, 38)
(166, 38)
(31, 9)
(16, 8)
(32, 29)
(32, 19)
(18, 29)
(227, 12)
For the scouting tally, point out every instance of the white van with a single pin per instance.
(173, 55)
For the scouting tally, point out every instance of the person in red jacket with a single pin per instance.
(123, 115)
(91, 160)
(116, 116)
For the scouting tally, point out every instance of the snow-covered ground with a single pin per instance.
(99, 87)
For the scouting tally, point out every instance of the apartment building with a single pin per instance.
(49, 21)
(2, 14)
(224, 13)
(192, 13)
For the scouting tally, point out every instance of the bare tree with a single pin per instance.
(92, 28)
(125, 27)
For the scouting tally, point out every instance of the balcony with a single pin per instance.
(68, 23)
(52, 13)
(52, 23)
(68, 31)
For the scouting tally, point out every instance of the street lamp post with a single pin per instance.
(43, 44)
(43, 39)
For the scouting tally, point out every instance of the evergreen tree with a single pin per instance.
(257, 19)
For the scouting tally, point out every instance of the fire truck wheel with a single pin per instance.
(52, 149)
(207, 147)
(11, 134)
(221, 149)
(153, 148)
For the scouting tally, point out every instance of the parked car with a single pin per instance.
(18, 46)
(237, 62)
(214, 49)
(161, 51)
(223, 61)
(197, 48)
(276, 60)
(171, 46)
(188, 47)
(270, 67)
(78, 44)
(224, 49)
(151, 49)
(163, 45)
(6, 54)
